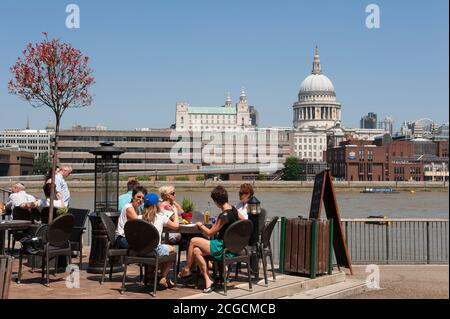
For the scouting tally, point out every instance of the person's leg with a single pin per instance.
(165, 250)
(122, 243)
(201, 262)
(203, 245)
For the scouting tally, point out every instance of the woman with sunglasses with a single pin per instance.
(245, 193)
(130, 211)
(171, 208)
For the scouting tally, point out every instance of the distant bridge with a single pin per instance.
(202, 170)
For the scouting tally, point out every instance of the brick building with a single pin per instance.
(15, 162)
(357, 160)
(389, 160)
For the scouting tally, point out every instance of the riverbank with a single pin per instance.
(285, 186)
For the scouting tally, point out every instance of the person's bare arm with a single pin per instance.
(131, 213)
(173, 225)
(214, 229)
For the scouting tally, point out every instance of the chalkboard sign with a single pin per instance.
(317, 196)
(324, 191)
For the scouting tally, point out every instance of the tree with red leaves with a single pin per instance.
(54, 74)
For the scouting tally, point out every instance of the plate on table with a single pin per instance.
(189, 225)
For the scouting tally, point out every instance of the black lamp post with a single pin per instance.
(257, 216)
(105, 201)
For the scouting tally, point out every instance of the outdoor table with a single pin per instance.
(11, 225)
(187, 231)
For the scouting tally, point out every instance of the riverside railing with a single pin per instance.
(390, 241)
(397, 240)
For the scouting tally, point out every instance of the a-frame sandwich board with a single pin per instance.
(324, 192)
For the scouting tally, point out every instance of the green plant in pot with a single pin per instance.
(62, 210)
(188, 208)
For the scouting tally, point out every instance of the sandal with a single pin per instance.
(208, 290)
(181, 276)
(169, 283)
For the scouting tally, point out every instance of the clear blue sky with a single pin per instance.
(149, 54)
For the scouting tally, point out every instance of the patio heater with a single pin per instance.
(106, 193)
(257, 216)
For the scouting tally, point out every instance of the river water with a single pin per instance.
(421, 204)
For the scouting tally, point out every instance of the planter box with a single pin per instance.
(308, 248)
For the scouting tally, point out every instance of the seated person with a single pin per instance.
(19, 198)
(153, 214)
(45, 202)
(245, 193)
(130, 211)
(126, 198)
(200, 247)
(171, 208)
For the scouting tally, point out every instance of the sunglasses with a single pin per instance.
(139, 197)
(242, 193)
(173, 193)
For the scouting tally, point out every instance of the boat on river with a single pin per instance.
(378, 190)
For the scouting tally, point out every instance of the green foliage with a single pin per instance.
(123, 178)
(181, 178)
(61, 211)
(42, 165)
(200, 178)
(291, 171)
(187, 205)
(143, 178)
(162, 178)
(261, 177)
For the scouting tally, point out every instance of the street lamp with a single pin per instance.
(254, 206)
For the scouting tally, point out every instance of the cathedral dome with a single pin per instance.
(316, 83)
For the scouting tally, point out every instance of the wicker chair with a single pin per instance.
(143, 239)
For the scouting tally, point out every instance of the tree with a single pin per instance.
(41, 165)
(291, 171)
(53, 74)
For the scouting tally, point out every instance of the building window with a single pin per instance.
(361, 155)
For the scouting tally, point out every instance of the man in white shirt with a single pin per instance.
(61, 184)
(19, 198)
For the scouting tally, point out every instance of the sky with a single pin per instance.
(147, 55)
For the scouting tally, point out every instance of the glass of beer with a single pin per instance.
(206, 217)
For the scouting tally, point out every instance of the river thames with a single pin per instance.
(422, 204)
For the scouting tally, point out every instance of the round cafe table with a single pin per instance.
(11, 225)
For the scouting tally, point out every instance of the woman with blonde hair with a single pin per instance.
(152, 213)
(170, 208)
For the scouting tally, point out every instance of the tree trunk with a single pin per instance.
(54, 161)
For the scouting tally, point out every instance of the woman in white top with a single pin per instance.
(45, 202)
(245, 193)
(129, 211)
(153, 214)
(171, 207)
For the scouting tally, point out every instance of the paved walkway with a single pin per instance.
(407, 282)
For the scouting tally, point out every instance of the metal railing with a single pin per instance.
(390, 241)
(397, 240)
